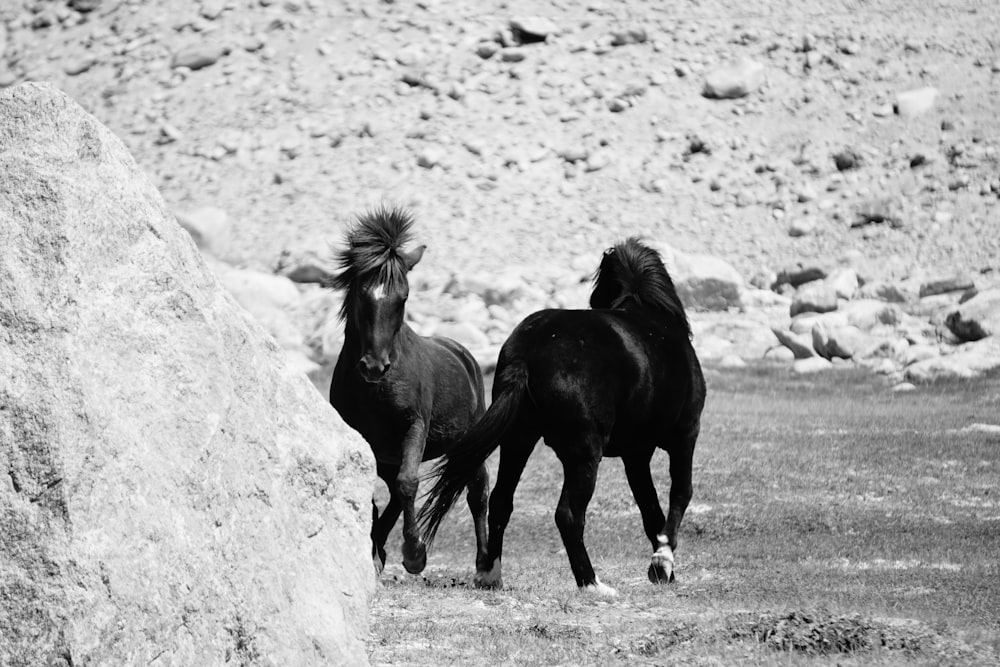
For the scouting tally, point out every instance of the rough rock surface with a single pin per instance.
(172, 493)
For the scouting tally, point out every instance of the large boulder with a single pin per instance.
(968, 360)
(978, 317)
(703, 282)
(171, 492)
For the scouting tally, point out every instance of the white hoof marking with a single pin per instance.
(663, 560)
(597, 588)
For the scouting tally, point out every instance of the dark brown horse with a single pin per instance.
(621, 379)
(410, 396)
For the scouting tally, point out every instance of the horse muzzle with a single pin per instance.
(373, 368)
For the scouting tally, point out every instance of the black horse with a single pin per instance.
(619, 380)
(410, 396)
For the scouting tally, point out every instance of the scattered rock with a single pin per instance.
(958, 283)
(967, 361)
(839, 342)
(875, 211)
(811, 365)
(799, 344)
(913, 103)
(814, 297)
(630, 36)
(199, 56)
(733, 81)
(798, 275)
(978, 317)
(529, 29)
(847, 159)
(844, 282)
(79, 65)
(704, 282)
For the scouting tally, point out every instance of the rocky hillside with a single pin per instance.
(527, 137)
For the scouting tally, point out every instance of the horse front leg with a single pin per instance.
(383, 523)
(661, 567)
(407, 483)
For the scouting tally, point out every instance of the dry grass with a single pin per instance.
(834, 522)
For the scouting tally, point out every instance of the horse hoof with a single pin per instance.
(489, 579)
(415, 559)
(660, 575)
(661, 569)
(599, 589)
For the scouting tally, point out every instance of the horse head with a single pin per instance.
(374, 276)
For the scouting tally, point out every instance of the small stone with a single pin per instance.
(915, 102)
(958, 283)
(734, 81)
(617, 104)
(486, 50)
(198, 56)
(212, 9)
(811, 365)
(875, 211)
(528, 29)
(850, 48)
(80, 65)
(512, 55)
(814, 297)
(847, 159)
(430, 157)
(631, 36)
(597, 160)
(801, 226)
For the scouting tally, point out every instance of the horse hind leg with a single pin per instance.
(478, 500)
(514, 453)
(580, 479)
(661, 567)
(680, 496)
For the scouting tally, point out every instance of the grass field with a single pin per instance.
(833, 522)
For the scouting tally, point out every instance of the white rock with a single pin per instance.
(811, 365)
(978, 317)
(843, 281)
(705, 282)
(816, 297)
(967, 361)
(735, 80)
(915, 102)
(799, 344)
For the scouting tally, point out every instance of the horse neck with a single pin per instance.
(352, 339)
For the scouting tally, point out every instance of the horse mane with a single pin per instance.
(374, 252)
(632, 274)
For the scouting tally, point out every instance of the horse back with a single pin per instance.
(625, 374)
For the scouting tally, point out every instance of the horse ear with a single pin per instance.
(411, 258)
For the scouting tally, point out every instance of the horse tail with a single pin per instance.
(456, 468)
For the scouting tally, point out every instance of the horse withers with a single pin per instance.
(409, 396)
(621, 379)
